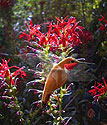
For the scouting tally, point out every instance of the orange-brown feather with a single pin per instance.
(56, 78)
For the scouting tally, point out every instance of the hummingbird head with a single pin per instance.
(72, 62)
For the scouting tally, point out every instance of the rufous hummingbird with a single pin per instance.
(58, 76)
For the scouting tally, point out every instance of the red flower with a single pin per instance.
(43, 40)
(103, 26)
(7, 75)
(99, 89)
(64, 32)
(6, 3)
(86, 36)
(33, 31)
(42, 2)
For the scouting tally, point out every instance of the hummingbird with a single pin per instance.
(58, 76)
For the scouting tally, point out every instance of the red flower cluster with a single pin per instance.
(86, 36)
(63, 33)
(103, 26)
(6, 75)
(42, 2)
(6, 3)
(98, 89)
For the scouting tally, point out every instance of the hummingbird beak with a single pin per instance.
(88, 63)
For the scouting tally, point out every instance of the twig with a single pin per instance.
(70, 101)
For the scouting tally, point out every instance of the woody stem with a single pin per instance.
(60, 102)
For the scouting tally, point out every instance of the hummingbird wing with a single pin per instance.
(56, 78)
(60, 77)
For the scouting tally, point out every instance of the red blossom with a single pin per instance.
(6, 3)
(32, 32)
(42, 2)
(7, 75)
(19, 72)
(86, 36)
(104, 25)
(64, 32)
(98, 89)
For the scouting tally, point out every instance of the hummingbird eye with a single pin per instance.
(72, 61)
